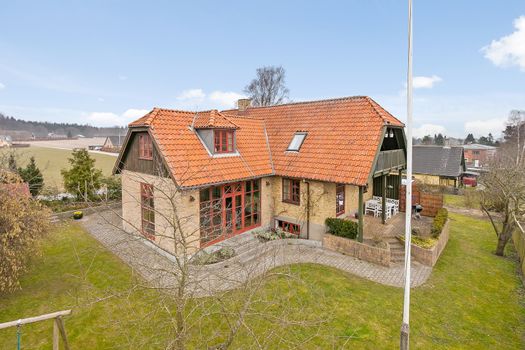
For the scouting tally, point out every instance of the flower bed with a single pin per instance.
(427, 251)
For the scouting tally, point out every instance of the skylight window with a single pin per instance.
(297, 141)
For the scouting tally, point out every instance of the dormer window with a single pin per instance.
(223, 141)
(297, 141)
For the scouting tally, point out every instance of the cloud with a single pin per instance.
(509, 50)
(198, 99)
(484, 127)
(2, 86)
(425, 82)
(192, 94)
(428, 129)
(112, 119)
(225, 99)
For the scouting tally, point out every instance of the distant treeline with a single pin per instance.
(22, 129)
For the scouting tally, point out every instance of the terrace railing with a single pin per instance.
(390, 160)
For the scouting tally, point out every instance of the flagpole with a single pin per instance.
(405, 328)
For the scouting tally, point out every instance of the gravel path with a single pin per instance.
(162, 271)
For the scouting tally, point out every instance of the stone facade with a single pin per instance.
(358, 250)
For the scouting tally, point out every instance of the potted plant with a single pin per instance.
(77, 215)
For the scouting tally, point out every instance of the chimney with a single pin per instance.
(243, 104)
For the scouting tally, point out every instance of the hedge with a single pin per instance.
(439, 222)
(342, 228)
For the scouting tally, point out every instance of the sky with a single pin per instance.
(108, 62)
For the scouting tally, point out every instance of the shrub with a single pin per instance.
(439, 222)
(273, 235)
(205, 258)
(342, 228)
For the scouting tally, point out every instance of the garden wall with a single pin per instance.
(519, 243)
(430, 201)
(429, 257)
(358, 250)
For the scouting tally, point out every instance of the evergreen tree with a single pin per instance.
(82, 179)
(11, 163)
(33, 176)
(470, 139)
(427, 140)
(439, 139)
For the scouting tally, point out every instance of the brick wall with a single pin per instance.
(430, 201)
(430, 257)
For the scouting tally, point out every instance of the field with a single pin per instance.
(52, 160)
(473, 300)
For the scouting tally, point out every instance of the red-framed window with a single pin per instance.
(292, 191)
(147, 208)
(289, 227)
(145, 146)
(229, 209)
(223, 141)
(339, 199)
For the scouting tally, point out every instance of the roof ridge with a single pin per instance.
(305, 102)
(375, 106)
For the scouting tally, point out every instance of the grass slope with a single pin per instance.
(52, 160)
(473, 300)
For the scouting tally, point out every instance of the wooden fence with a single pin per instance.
(519, 243)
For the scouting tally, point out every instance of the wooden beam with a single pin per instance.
(34, 319)
(56, 338)
(383, 199)
(62, 330)
(360, 212)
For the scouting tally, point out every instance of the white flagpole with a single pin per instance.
(404, 343)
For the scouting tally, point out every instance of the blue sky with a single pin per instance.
(106, 62)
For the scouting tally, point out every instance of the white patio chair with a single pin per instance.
(370, 206)
(379, 211)
(395, 203)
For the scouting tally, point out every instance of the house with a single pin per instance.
(438, 165)
(5, 141)
(113, 144)
(289, 166)
(477, 156)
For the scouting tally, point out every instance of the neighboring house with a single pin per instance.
(5, 141)
(438, 165)
(113, 144)
(289, 166)
(477, 156)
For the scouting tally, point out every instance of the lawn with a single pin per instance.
(473, 300)
(52, 160)
(468, 200)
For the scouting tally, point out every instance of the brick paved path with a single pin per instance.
(162, 270)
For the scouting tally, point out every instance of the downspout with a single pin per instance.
(307, 208)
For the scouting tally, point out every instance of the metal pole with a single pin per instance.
(405, 328)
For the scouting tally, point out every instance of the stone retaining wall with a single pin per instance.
(429, 257)
(358, 250)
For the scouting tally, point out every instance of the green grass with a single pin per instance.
(473, 300)
(52, 160)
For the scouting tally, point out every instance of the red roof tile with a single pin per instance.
(343, 137)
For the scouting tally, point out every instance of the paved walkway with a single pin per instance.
(162, 271)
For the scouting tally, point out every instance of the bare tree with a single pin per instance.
(268, 88)
(193, 294)
(503, 194)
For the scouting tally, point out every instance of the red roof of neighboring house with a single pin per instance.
(343, 136)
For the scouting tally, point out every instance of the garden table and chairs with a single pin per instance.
(375, 207)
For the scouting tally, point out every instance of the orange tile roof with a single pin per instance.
(189, 161)
(343, 137)
(213, 119)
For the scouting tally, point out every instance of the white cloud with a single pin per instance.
(133, 113)
(509, 50)
(425, 82)
(225, 99)
(105, 119)
(112, 119)
(198, 99)
(428, 129)
(484, 127)
(2, 86)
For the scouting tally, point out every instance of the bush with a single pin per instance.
(205, 258)
(439, 222)
(274, 235)
(342, 228)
